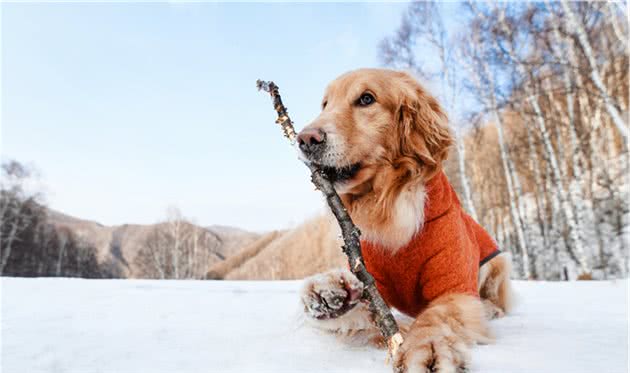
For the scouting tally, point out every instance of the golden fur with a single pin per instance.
(396, 160)
(495, 287)
(400, 142)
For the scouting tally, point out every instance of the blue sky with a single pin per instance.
(129, 108)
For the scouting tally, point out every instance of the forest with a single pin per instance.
(538, 97)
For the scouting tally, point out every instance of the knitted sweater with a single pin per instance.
(444, 257)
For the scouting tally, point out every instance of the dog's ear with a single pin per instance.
(423, 127)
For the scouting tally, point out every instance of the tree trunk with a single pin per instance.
(575, 244)
(461, 161)
(584, 43)
(6, 252)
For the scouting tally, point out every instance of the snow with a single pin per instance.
(125, 326)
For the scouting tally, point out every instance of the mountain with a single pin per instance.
(312, 247)
(117, 246)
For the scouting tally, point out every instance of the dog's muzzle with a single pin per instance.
(312, 143)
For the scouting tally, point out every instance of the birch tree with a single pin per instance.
(177, 249)
(552, 79)
(484, 82)
(423, 28)
(574, 25)
(15, 211)
(575, 244)
(29, 244)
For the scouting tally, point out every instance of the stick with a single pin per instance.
(351, 235)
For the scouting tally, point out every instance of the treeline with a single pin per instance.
(34, 244)
(542, 149)
(29, 245)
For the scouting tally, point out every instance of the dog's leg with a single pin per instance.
(439, 340)
(495, 287)
(331, 302)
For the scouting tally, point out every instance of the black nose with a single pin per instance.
(311, 141)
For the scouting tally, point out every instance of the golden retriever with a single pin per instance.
(382, 139)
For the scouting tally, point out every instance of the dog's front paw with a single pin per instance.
(423, 353)
(331, 294)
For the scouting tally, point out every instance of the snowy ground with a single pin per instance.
(120, 326)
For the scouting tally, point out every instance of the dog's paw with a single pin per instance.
(331, 294)
(492, 311)
(440, 353)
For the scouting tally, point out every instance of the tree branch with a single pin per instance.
(382, 316)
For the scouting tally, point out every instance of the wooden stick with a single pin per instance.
(381, 314)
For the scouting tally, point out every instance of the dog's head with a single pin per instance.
(378, 133)
(374, 118)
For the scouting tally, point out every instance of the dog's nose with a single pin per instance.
(311, 140)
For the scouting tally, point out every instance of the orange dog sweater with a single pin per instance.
(444, 257)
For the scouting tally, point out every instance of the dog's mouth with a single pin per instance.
(340, 174)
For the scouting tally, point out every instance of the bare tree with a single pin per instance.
(483, 80)
(16, 211)
(177, 249)
(423, 24)
(552, 79)
(580, 34)
(29, 244)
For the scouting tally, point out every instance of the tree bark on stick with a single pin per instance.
(381, 314)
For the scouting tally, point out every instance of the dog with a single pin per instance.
(381, 138)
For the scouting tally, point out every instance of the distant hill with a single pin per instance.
(307, 249)
(118, 245)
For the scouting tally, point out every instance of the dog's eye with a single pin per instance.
(366, 99)
(324, 104)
